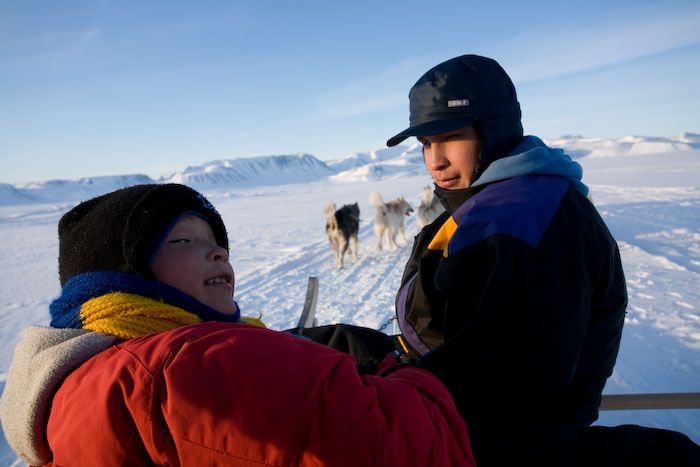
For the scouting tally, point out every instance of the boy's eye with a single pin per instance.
(180, 240)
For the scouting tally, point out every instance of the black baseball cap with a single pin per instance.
(460, 92)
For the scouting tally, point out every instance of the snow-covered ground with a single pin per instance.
(650, 201)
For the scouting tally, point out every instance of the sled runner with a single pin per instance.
(308, 314)
(679, 400)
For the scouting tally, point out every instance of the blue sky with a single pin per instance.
(115, 87)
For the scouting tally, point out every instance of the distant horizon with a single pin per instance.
(156, 174)
(406, 145)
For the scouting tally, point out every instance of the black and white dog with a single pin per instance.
(342, 226)
(389, 219)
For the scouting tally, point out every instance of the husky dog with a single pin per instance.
(429, 208)
(389, 219)
(342, 226)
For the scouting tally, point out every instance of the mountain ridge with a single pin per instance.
(303, 167)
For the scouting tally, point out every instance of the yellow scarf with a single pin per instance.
(128, 316)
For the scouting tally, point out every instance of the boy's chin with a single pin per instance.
(227, 307)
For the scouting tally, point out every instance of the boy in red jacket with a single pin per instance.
(146, 361)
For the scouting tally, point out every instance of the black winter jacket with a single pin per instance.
(522, 316)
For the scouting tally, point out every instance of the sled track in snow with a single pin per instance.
(363, 293)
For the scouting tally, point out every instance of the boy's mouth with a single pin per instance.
(447, 182)
(220, 279)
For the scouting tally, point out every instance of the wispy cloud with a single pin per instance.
(540, 54)
(535, 54)
(90, 35)
(48, 50)
(386, 89)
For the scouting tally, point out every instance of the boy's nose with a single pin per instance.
(218, 254)
(435, 157)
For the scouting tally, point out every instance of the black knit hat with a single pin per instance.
(122, 230)
(466, 91)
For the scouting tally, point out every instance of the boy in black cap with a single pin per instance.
(146, 361)
(515, 296)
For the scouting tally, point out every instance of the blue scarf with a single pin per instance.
(65, 310)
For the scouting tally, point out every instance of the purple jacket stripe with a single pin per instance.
(522, 207)
(406, 329)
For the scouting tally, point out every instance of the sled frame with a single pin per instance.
(308, 314)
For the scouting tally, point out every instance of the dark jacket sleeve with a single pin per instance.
(367, 346)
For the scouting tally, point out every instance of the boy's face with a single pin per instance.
(191, 261)
(451, 157)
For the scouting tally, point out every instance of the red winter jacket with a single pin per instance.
(231, 394)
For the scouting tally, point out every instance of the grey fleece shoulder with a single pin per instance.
(43, 358)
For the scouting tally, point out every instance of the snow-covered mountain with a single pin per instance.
(67, 190)
(261, 170)
(363, 158)
(578, 146)
(406, 162)
(385, 163)
(10, 194)
(692, 138)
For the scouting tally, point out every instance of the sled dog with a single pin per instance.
(429, 208)
(389, 219)
(342, 226)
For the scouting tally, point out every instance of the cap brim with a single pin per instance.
(433, 127)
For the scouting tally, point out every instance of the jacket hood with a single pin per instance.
(532, 156)
(42, 359)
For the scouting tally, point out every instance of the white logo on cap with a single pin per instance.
(458, 103)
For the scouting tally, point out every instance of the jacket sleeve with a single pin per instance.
(256, 395)
(602, 340)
